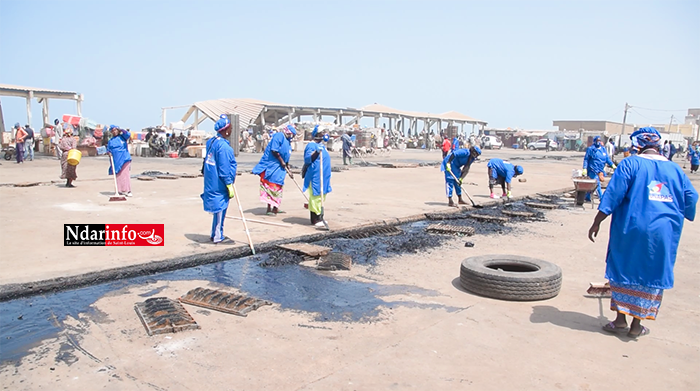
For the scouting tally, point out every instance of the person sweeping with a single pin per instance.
(594, 164)
(273, 168)
(219, 170)
(456, 165)
(118, 148)
(648, 197)
(502, 173)
(312, 177)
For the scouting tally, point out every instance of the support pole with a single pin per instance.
(235, 134)
(196, 119)
(78, 103)
(45, 111)
(624, 120)
(30, 95)
(162, 116)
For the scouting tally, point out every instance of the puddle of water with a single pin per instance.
(274, 276)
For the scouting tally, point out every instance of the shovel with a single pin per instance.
(465, 192)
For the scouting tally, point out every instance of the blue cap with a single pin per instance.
(596, 138)
(477, 149)
(315, 131)
(646, 137)
(222, 124)
(290, 129)
(519, 170)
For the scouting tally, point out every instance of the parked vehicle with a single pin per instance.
(542, 144)
(491, 142)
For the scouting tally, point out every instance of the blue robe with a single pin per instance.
(119, 149)
(501, 169)
(313, 173)
(694, 156)
(219, 170)
(595, 160)
(648, 198)
(274, 171)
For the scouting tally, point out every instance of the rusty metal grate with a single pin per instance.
(373, 232)
(230, 303)
(335, 261)
(161, 315)
(481, 217)
(167, 176)
(145, 178)
(514, 213)
(450, 229)
(541, 205)
(444, 216)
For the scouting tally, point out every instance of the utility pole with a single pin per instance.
(624, 120)
(670, 123)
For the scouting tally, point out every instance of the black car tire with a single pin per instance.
(510, 277)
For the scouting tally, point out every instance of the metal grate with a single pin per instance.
(145, 178)
(335, 261)
(514, 213)
(481, 217)
(161, 315)
(444, 216)
(167, 176)
(540, 205)
(230, 303)
(450, 229)
(373, 232)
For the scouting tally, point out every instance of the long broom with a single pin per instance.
(245, 224)
(323, 218)
(116, 196)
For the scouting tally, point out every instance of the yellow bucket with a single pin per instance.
(74, 157)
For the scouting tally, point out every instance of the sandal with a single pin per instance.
(611, 328)
(645, 331)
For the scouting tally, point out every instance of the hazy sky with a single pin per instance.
(511, 63)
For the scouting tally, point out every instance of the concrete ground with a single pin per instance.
(428, 333)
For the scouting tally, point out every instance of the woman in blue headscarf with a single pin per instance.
(648, 197)
(119, 149)
(273, 168)
(314, 153)
(219, 170)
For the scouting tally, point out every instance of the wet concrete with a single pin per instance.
(274, 276)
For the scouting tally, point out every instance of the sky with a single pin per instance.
(519, 64)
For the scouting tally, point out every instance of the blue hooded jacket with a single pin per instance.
(313, 172)
(595, 160)
(219, 170)
(462, 158)
(501, 169)
(274, 172)
(119, 149)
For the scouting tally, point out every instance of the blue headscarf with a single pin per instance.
(113, 127)
(314, 132)
(646, 138)
(222, 124)
(596, 139)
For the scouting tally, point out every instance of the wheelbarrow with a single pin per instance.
(584, 185)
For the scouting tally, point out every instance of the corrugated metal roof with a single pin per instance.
(11, 87)
(247, 109)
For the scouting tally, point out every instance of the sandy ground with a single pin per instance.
(427, 333)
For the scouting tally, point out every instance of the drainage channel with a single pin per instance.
(276, 276)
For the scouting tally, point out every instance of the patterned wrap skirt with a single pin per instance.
(637, 301)
(270, 193)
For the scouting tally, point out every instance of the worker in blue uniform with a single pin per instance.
(648, 197)
(273, 168)
(502, 172)
(219, 170)
(594, 165)
(316, 153)
(456, 165)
